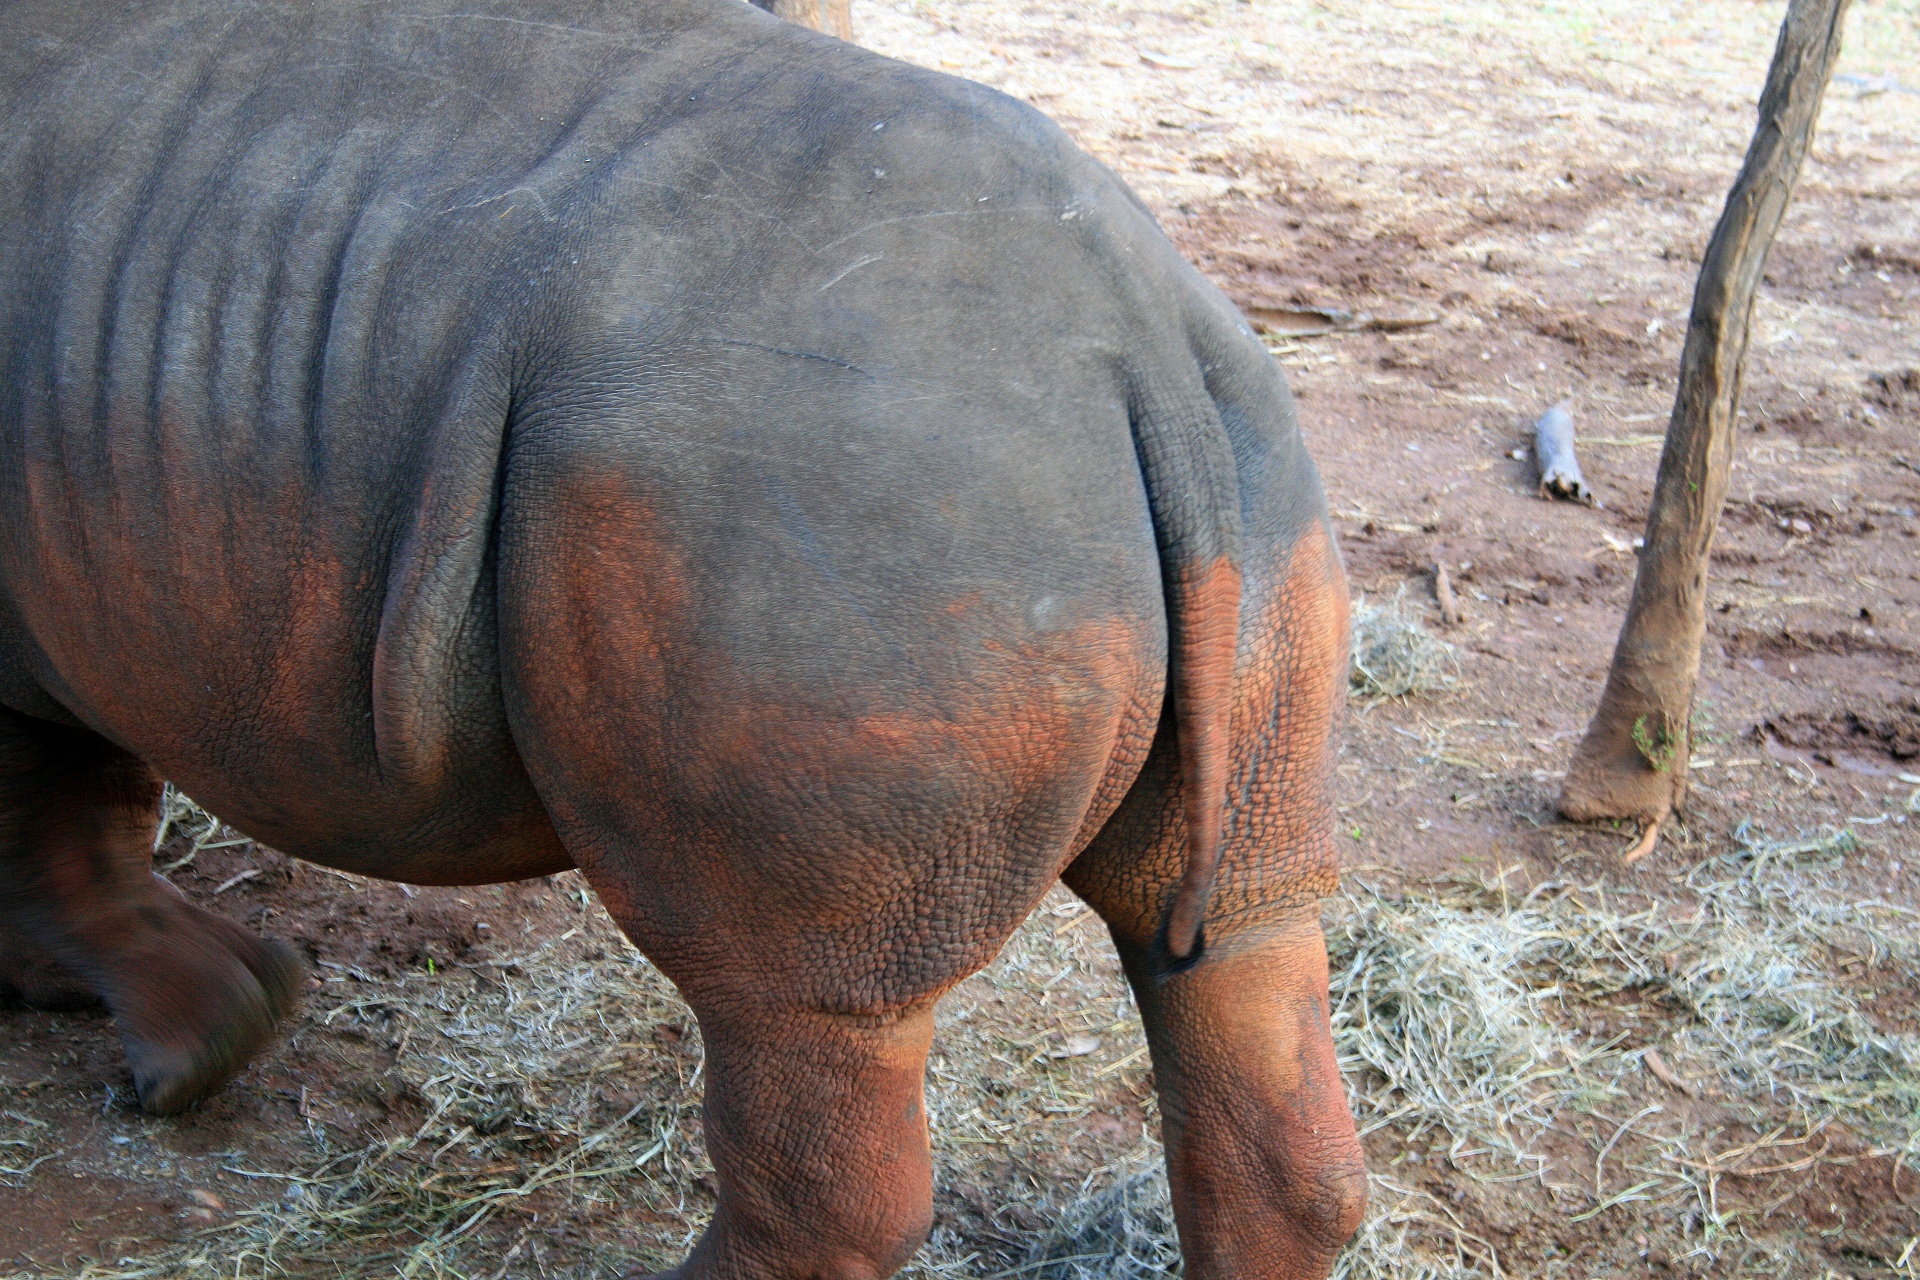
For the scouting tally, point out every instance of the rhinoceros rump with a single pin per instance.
(802, 491)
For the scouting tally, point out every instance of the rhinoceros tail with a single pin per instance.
(1193, 490)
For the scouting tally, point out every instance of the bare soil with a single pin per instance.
(1529, 188)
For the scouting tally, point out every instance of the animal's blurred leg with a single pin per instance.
(34, 978)
(194, 995)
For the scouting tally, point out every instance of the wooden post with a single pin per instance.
(835, 17)
(1633, 761)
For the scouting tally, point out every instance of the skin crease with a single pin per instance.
(800, 490)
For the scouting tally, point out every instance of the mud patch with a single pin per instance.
(1795, 641)
(1854, 1201)
(1893, 731)
(1898, 393)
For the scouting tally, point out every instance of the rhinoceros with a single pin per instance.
(802, 491)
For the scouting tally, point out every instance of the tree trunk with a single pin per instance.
(1633, 761)
(835, 17)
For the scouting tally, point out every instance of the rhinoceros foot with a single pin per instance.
(184, 1039)
(276, 966)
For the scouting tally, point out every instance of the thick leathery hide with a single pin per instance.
(836, 796)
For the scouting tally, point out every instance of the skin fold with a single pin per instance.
(800, 490)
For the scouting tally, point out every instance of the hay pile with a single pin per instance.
(555, 1091)
(1394, 656)
(1466, 1019)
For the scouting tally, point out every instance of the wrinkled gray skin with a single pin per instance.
(460, 442)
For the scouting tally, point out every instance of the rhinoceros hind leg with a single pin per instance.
(817, 1130)
(1262, 1158)
(1263, 1161)
(195, 996)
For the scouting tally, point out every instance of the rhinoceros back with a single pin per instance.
(265, 274)
(290, 293)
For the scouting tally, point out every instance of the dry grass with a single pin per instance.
(1464, 1018)
(547, 1082)
(559, 1088)
(1115, 1228)
(181, 819)
(1394, 656)
(23, 1147)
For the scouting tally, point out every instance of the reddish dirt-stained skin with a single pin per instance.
(801, 491)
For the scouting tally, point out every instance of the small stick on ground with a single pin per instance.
(1553, 448)
(1443, 592)
(1649, 836)
(1665, 1074)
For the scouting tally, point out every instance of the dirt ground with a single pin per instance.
(488, 1082)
